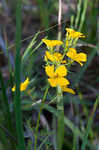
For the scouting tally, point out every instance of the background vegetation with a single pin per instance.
(22, 26)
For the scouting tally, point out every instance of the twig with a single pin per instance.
(59, 21)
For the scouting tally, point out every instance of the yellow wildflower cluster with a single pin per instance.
(55, 61)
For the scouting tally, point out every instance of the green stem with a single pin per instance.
(72, 21)
(75, 141)
(60, 120)
(18, 113)
(38, 120)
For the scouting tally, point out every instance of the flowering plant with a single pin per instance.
(56, 64)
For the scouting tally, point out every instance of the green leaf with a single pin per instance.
(28, 51)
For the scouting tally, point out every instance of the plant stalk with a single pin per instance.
(60, 119)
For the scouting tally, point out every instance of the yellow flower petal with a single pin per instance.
(62, 81)
(61, 71)
(78, 57)
(63, 61)
(53, 82)
(68, 90)
(58, 81)
(57, 77)
(50, 71)
(53, 57)
(23, 85)
(72, 53)
(82, 57)
(69, 30)
(49, 56)
(78, 35)
(13, 89)
(73, 34)
(57, 56)
(52, 43)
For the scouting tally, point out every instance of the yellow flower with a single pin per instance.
(56, 57)
(80, 57)
(73, 34)
(52, 43)
(49, 56)
(66, 89)
(23, 85)
(57, 77)
(69, 30)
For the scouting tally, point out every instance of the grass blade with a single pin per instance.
(19, 129)
(29, 49)
(89, 125)
(78, 13)
(6, 105)
(85, 3)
